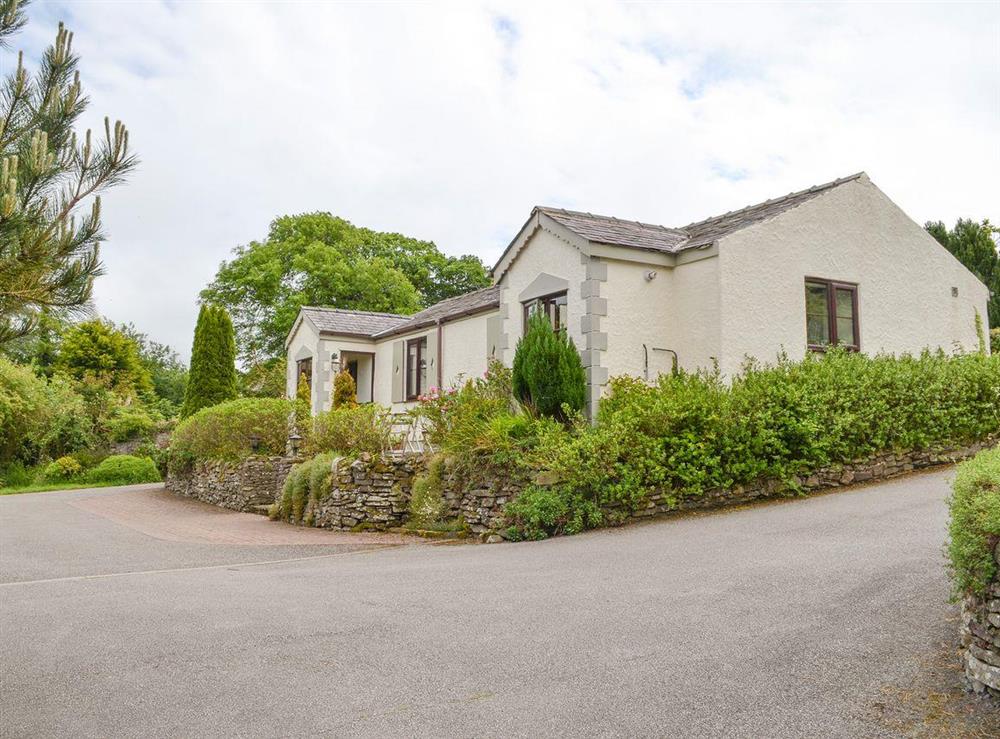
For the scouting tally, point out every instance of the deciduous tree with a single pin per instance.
(318, 259)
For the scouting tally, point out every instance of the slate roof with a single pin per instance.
(378, 325)
(448, 309)
(637, 235)
(351, 322)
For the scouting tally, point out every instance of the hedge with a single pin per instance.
(124, 469)
(974, 525)
(226, 431)
(693, 432)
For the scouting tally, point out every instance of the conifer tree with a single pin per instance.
(547, 371)
(212, 377)
(48, 251)
(345, 390)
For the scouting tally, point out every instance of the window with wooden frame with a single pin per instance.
(831, 314)
(416, 367)
(554, 308)
(304, 367)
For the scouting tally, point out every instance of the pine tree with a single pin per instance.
(547, 371)
(212, 377)
(48, 251)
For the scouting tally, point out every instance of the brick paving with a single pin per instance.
(157, 513)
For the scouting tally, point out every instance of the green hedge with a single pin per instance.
(689, 433)
(351, 430)
(226, 431)
(974, 526)
(124, 469)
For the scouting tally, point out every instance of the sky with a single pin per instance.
(449, 122)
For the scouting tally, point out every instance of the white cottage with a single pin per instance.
(838, 263)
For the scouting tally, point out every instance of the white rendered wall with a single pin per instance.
(852, 233)
(543, 253)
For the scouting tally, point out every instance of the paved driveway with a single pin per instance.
(131, 613)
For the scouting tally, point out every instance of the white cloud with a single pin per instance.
(448, 122)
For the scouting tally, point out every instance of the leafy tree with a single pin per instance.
(547, 371)
(212, 377)
(97, 350)
(264, 380)
(345, 391)
(167, 371)
(319, 259)
(49, 251)
(974, 245)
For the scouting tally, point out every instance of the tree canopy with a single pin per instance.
(320, 259)
(97, 350)
(49, 251)
(974, 244)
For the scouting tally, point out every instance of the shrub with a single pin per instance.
(124, 469)
(130, 422)
(428, 508)
(351, 430)
(23, 411)
(690, 433)
(226, 431)
(308, 481)
(974, 525)
(212, 378)
(16, 475)
(995, 340)
(64, 468)
(345, 391)
(547, 372)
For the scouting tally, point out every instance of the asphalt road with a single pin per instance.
(791, 619)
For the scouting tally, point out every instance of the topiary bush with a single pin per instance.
(974, 525)
(124, 469)
(345, 390)
(226, 431)
(548, 375)
(351, 430)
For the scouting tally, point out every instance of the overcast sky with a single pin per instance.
(449, 122)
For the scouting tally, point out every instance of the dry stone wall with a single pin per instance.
(981, 636)
(374, 492)
(243, 486)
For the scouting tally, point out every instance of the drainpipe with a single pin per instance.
(440, 371)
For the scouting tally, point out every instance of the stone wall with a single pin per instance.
(981, 636)
(256, 481)
(374, 492)
(368, 492)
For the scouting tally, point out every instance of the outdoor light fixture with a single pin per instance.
(254, 443)
(293, 443)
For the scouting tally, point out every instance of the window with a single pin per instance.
(304, 367)
(416, 367)
(554, 307)
(831, 314)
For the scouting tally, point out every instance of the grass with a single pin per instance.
(53, 487)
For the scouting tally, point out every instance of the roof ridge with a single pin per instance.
(546, 209)
(356, 312)
(814, 188)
